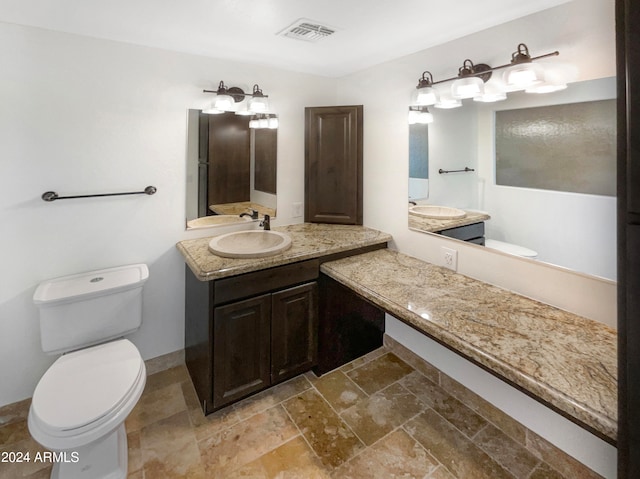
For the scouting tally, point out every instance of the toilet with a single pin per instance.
(509, 248)
(80, 404)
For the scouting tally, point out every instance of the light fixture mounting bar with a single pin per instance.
(234, 93)
(484, 72)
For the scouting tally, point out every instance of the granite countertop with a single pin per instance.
(309, 240)
(429, 225)
(564, 360)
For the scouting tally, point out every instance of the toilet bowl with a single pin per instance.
(509, 248)
(80, 404)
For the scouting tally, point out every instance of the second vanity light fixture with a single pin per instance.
(264, 121)
(226, 98)
(471, 82)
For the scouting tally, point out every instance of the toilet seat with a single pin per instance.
(86, 390)
(509, 248)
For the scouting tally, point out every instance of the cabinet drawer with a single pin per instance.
(264, 281)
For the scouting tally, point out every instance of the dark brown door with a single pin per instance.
(266, 155)
(294, 331)
(241, 342)
(229, 158)
(333, 164)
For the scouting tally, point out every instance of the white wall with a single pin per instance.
(583, 31)
(82, 116)
(451, 147)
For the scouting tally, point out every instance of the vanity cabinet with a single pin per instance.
(261, 341)
(246, 333)
(473, 233)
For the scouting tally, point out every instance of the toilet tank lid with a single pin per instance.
(90, 284)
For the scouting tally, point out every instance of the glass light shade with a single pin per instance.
(491, 97)
(258, 104)
(412, 117)
(426, 96)
(522, 76)
(273, 123)
(212, 110)
(467, 87)
(223, 102)
(253, 123)
(493, 91)
(424, 117)
(547, 87)
(263, 123)
(242, 109)
(447, 103)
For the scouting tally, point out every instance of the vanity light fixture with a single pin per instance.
(264, 121)
(492, 92)
(470, 83)
(258, 102)
(447, 103)
(425, 94)
(273, 122)
(226, 98)
(521, 73)
(223, 100)
(546, 87)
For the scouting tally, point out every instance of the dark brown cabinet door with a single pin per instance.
(294, 331)
(229, 158)
(333, 164)
(241, 342)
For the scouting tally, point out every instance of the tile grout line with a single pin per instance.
(339, 417)
(304, 438)
(356, 384)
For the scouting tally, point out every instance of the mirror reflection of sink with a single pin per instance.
(250, 244)
(438, 212)
(207, 221)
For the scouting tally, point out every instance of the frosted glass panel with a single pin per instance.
(569, 147)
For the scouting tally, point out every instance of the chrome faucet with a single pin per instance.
(253, 214)
(266, 222)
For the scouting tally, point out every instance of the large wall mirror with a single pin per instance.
(231, 169)
(570, 220)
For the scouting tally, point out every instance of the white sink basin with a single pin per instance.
(250, 244)
(438, 212)
(214, 220)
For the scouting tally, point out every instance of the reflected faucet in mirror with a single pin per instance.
(253, 215)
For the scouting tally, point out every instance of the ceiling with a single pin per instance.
(368, 32)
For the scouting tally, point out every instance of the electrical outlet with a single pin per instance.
(297, 210)
(450, 258)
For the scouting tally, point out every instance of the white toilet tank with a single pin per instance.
(89, 308)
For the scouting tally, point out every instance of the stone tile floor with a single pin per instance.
(376, 417)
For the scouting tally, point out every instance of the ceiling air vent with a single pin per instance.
(307, 30)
